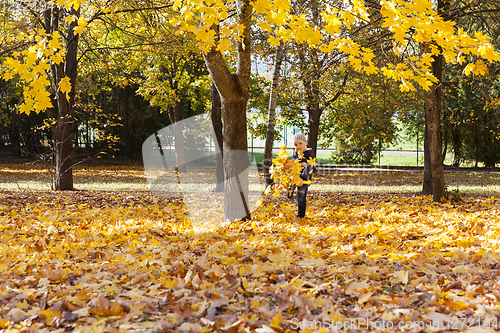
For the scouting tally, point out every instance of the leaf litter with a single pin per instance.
(95, 261)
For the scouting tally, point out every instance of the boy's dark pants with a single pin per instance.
(301, 199)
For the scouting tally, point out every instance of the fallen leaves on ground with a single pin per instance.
(88, 261)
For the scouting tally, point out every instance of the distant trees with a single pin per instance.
(362, 121)
(471, 117)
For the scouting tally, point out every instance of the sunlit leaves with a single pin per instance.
(81, 27)
(65, 86)
(127, 261)
(285, 172)
(32, 66)
(409, 21)
(426, 27)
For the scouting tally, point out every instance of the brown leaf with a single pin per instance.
(234, 327)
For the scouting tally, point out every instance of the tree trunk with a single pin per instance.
(314, 118)
(235, 159)
(15, 143)
(63, 136)
(217, 126)
(310, 72)
(309, 77)
(271, 114)
(427, 184)
(368, 154)
(233, 90)
(432, 100)
(175, 118)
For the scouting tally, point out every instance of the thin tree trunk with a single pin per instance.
(175, 116)
(427, 184)
(271, 113)
(14, 135)
(179, 139)
(217, 126)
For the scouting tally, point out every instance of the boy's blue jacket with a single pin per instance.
(306, 172)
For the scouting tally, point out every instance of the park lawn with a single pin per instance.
(128, 261)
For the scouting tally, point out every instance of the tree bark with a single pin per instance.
(310, 75)
(175, 115)
(233, 90)
(64, 128)
(15, 143)
(235, 160)
(433, 158)
(315, 112)
(217, 126)
(432, 101)
(427, 184)
(271, 113)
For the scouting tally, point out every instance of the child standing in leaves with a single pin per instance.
(303, 154)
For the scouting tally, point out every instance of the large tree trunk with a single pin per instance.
(315, 112)
(217, 126)
(233, 90)
(64, 129)
(271, 113)
(310, 71)
(235, 159)
(309, 75)
(432, 100)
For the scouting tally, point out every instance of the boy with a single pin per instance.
(300, 143)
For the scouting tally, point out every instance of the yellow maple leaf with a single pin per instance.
(469, 69)
(371, 69)
(224, 45)
(81, 27)
(273, 41)
(262, 6)
(43, 101)
(65, 86)
(12, 64)
(277, 321)
(55, 42)
(57, 58)
(480, 68)
(25, 108)
(264, 26)
(49, 314)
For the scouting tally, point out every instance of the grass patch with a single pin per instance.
(400, 160)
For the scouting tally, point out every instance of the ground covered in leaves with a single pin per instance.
(115, 261)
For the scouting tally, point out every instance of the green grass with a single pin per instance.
(320, 159)
(399, 160)
(386, 160)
